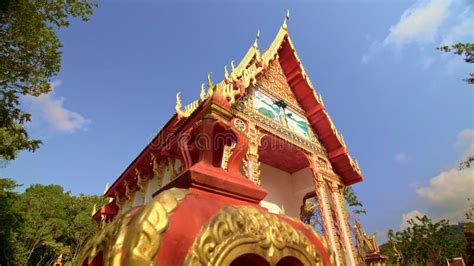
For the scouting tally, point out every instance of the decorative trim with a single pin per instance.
(134, 238)
(239, 230)
(159, 169)
(277, 130)
(251, 161)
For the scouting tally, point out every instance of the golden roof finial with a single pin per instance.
(178, 103)
(255, 44)
(106, 188)
(287, 17)
(232, 66)
(210, 83)
(203, 92)
(94, 210)
(226, 72)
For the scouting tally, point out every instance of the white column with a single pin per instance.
(340, 214)
(327, 217)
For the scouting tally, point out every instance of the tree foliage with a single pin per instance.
(425, 243)
(463, 49)
(43, 222)
(30, 56)
(353, 201)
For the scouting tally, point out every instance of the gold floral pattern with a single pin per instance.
(134, 238)
(239, 230)
(275, 80)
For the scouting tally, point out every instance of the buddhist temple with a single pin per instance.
(225, 181)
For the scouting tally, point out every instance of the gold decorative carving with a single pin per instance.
(94, 210)
(202, 95)
(365, 244)
(248, 114)
(240, 124)
(275, 80)
(238, 230)
(188, 109)
(227, 152)
(324, 241)
(128, 191)
(171, 169)
(158, 169)
(134, 238)
(141, 180)
(210, 83)
(118, 200)
(251, 162)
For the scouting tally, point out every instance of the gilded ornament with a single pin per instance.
(141, 180)
(118, 200)
(106, 188)
(128, 191)
(171, 169)
(239, 230)
(226, 72)
(227, 152)
(188, 109)
(158, 169)
(134, 238)
(202, 95)
(365, 244)
(210, 83)
(252, 158)
(94, 210)
(240, 124)
(287, 17)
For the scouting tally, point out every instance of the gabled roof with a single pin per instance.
(253, 65)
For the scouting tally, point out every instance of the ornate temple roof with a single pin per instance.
(253, 65)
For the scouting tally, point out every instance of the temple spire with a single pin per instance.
(203, 92)
(287, 17)
(178, 103)
(94, 209)
(210, 85)
(106, 188)
(226, 72)
(255, 44)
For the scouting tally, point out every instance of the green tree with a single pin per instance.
(10, 220)
(81, 226)
(464, 49)
(43, 222)
(353, 201)
(30, 56)
(45, 212)
(427, 243)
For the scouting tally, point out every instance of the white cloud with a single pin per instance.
(445, 197)
(409, 216)
(49, 109)
(401, 157)
(419, 23)
(426, 24)
(447, 194)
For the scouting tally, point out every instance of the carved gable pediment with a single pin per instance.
(275, 81)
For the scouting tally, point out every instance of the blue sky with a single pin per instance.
(404, 111)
